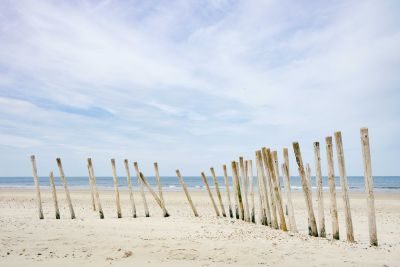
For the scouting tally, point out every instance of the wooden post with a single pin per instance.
(345, 187)
(64, 181)
(227, 190)
(54, 194)
(274, 155)
(209, 193)
(244, 189)
(369, 186)
(286, 181)
(320, 192)
(235, 175)
(235, 194)
(332, 187)
(250, 169)
(91, 190)
(37, 189)
(93, 179)
(146, 209)
(218, 192)
(165, 212)
(115, 178)
(270, 189)
(308, 176)
(306, 190)
(157, 199)
(186, 193)
(265, 212)
(129, 181)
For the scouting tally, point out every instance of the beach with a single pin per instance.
(182, 239)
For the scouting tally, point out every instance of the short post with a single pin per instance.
(369, 186)
(227, 190)
(96, 192)
(115, 178)
(250, 169)
(320, 192)
(270, 188)
(332, 187)
(218, 192)
(265, 212)
(158, 179)
(54, 194)
(37, 189)
(64, 181)
(156, 198)
(235, 175)
(187, 193)
(129, 181)
(243, 175)
(286, 181)
(345, 187)
(146, 209)
(306, 190)
(91, 190)
(203, 176)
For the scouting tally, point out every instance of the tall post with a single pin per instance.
(96, 192)
(218, 192)
(320, 194)
(332, 187)
(286, 181)
(146, 209)
(270, 189)
(54, 194)
(235, 193)
(156, 198)
(115, 178)
(345, 187)
(369, 186)
(250, 170)
(265, 212)
(186, 193)
(227, 190)
(64, 181)
(37, 189)
(306, 189)
(91, 190)
(203, 176)
(129, 182)
(165, 212)
(235, 174)
(244, 189)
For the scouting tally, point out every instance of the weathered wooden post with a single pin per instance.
(320, 192)
(146, 209)
(270, 189)
(186, 193)
(286, 181)
(369, 186)
(345, 187)
(54, 194)
(265, 213)
(227, 190)
(165, 212)
(244, 189)
(115, 178)
(306, 189)
(235, 175)
(157, 199)
(209, 193)
(332, 187)
(308, 176)
(91, 190)
(218, 192)
(37, 189)
(250, 169)
(64, 181)
(235, 194)
(129, 181)
(93, 179)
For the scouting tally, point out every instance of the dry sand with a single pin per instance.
(182, 239)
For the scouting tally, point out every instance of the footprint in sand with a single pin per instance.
(183, 254)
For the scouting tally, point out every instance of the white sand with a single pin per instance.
(182, 239)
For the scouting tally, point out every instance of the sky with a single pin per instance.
(196, 84)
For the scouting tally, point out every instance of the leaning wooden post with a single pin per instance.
(286, 181)
(91, 190)
(227, 190)
(165, 212)
(345, 187)
(157, 199)
(186, 193)
(96, 192)
(244, 189)
(265, 213)
(37, 189)
(369, 186)
(64, 181)
(332, 188)
(129, 181)
(250, 169)
(54, 194)
(203, 176)
(235, 175)
(320, 192)
(270, 188)
(306, 189)
(218, 192)
(146, 209)
(115, 178)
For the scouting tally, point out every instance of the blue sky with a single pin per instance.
(195, 84)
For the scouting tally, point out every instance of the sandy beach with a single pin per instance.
(182, 239)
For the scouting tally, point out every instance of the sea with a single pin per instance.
(171, 183)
